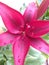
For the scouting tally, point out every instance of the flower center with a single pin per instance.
(28, 30)
(28, 26)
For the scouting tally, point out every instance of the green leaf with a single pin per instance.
(34, 57)
(46, 38)
(2, 62)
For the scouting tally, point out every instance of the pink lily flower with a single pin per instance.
(25, 30)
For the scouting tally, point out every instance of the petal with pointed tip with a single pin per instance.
(20, 49)
(6, 38)
(38, 28)
(30, 12)
(42, 8)
(40, 45)
(12, 19)
(41, 28)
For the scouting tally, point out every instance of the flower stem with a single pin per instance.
(47, 61)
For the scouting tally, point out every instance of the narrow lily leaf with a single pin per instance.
(30, 12)
(40, 45)
(42, 8)
(20, 50)
(34, 57)
(34, 60)
(34, 52)
(6, 38)
(46, 38)
(12, 19)
(38, 28)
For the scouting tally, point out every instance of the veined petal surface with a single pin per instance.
(40, 45)
(12, 19)
(20, 49)
(6, 38)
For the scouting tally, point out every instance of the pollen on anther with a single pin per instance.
(28, 26)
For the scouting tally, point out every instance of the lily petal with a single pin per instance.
(6, 38)
(41, 28)
(38, 28)
(40, 45)
(20, 49)
(12, 19)
(30, 12)
(42, 8)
